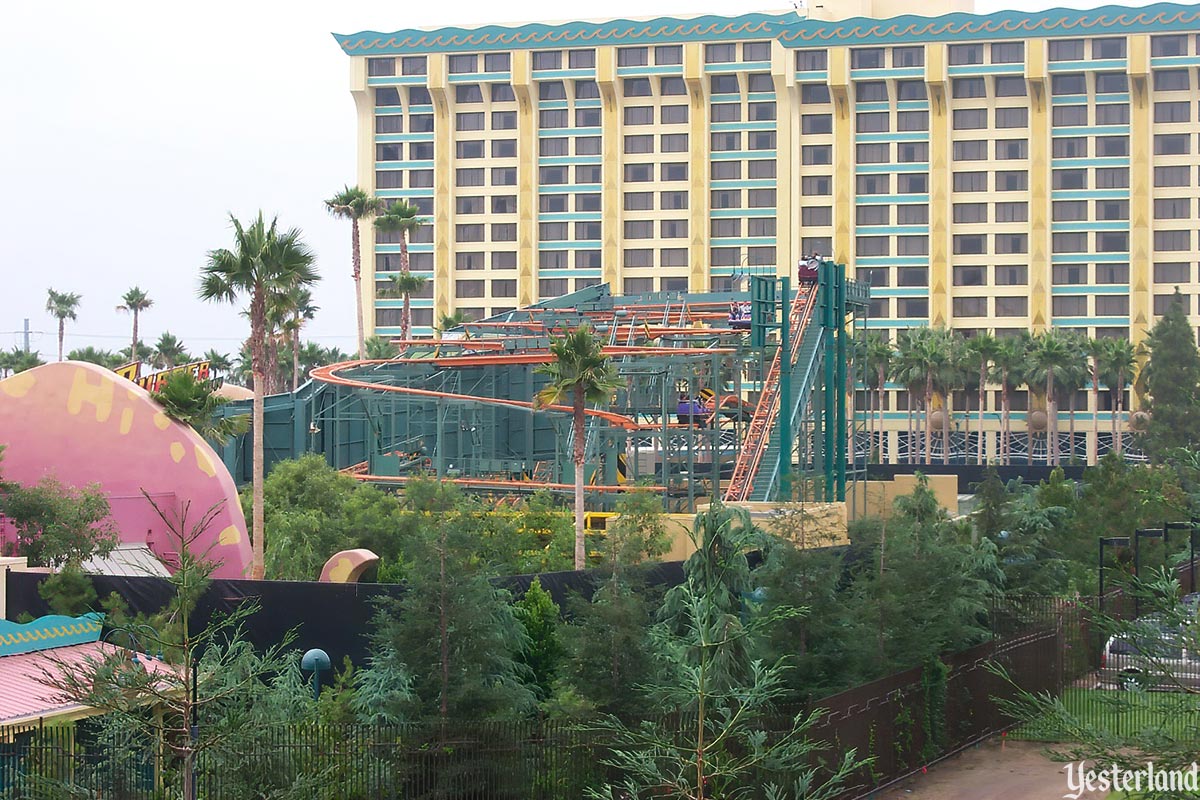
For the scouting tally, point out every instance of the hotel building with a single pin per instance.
(1007, 172)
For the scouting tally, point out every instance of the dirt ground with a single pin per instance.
(1016, 771)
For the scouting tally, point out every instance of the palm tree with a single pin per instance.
(933, 351)
(379, 348)
(1097, 349)
(134, 302)
(582, 374)
(354, 204)
(405, 285)
(297, 307)
(449, 321)
(983, 346)
(104, 358)
(195, 404)
(62, 306)
(1073, 377)
(879, 354)
(401, 218)
(908, 369)
(1049, 355)
(263, 261)
(169, 352)
(1008, 360)
(143, 353)
(1118, 366)
(218, 362)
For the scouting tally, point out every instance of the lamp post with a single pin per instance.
(1138, 535)
(317, 661)
(1107, 541)
(1174, 526)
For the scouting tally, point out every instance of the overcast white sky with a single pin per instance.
(130, 130)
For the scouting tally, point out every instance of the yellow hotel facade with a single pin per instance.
(1002, 172)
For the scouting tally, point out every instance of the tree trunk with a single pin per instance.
(882, 396)
(578, 457)
(62, 331)
(1051, 419)
(443, 627)
(928, 413)
(1071, 412)
(1120, 422)
(1096, 402)
(911, 433)
(406, 311)
(982, 401)
(946, 406)
(1005, 433)
(356, 263)
(296, 354)
(133, 354)
(258, 332)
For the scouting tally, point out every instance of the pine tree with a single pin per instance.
(539, 615)
(1173, 378)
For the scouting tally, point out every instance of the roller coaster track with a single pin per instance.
(758, 435)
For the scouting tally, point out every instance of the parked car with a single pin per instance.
(1158, 658)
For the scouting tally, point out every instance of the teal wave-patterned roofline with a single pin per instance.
(49, 632)
(788, 27)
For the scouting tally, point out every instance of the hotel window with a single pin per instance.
(870, 246)
(469, 149)
(389, 180)
(552, 90)
(1173, 272)
(873, 153)
(1074, 83)
(912, 120)
(553, 118)
(1069, 50)
(504, 120)
(420, 178)
(966, 54)
(468, 93)
(639, 201)
(1012, 117)
(497, 62)
(1069, 274)
(547, 59)
(470, 205)
(587, 173)
(638, 257)
(912, 307)
(669, 229)
(1069, 179)
(908, 56)
(469, 288)
(378, 67)
(635, 87)
(910, 90)
(813, 185)
(1012, 181)
(1173, 112)
(874, 276)
(581, 59)
(816, 244)
(1068, 306)
(666, 54)
(1173, 208)
(1012, 275)
(725, 170)
(970, 213)
(1108, 48)
(504, 176)
(1171, 80)
(638, 144)
(1008, 52)
(389, 152)
(912, 246)
(817, 123)
(816, 216)
(553, 176)
(1010, 86)
(504, 148)
(760, 112)
(871, 92)
(1112, 114)
(419, 96)
(502, 93)
(1112, 273)
(468, 233)
(969, 276)
(756, 51)
(873, 215)
(639, 229)
(816, 154)
(912, 152)
(912, 183)
(724, 142)
(639, 115)
(1112, 305)
(720, 53)
(973, 150)
(638, 173)
(1012, 149)
(873, 184)
(1163, 302)
(969, 87)
(672, 257)
(1070, 116)
(810, 60)
(668, 87)
(1172, 241)
(726, 198)
(760, 198)
(586, 90)
(413, 65)
(587, 117)
(1012, 306)
(1111, 82)
(672, 201)
(726, 228)
(1173, 176)
(587, 145)
(674, 115)
(587, 201)
(761, 140)
(970, 182)
(468, 177)
(1009, 243)
(879, 309)
(1112, 146)
(912, 276)
(1171, 144)
(1161, 46)
(1069, 242)
(726, 112)
(1112, 178)
(552, 203)
(503, 288)
(587, 231)
(970, 119)
(421, 123)
(866, 58)
(1012, 212)
(760, 82)
(462, 64)
(969, 306)
(724, 84)
(969, 244)
(387, 96)
(912, 215)
(673, 171)
(389, 124)
(1070, 147)
(814, 93)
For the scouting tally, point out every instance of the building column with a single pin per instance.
(527, 177)
(936, 84)
(364, 108)
(443, 187)
(1041, 262)
(844, 184)
(1141, 197)
(787, 153)
(699, 274)
(612, 264)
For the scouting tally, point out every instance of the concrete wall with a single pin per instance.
(881, 495)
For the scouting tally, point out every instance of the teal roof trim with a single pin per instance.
(707, 28)
(787, 27)
(49, 632)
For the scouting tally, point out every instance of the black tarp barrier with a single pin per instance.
(969, 475)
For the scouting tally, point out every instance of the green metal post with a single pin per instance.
(840, 428)
(785, 390)
(826, 291)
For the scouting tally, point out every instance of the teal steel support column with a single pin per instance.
(841, 427)
(826, 290)
(785, 389)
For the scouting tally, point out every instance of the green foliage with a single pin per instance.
(91, 355)
(539, 615)
(380, 347)
(934, 675)
(1173, 380)
(68, 592)
(58, 525)
(640, 533)
(17, 360)
(196, 404)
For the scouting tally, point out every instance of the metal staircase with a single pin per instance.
(758, 440)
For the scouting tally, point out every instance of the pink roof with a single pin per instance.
(24, 697)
